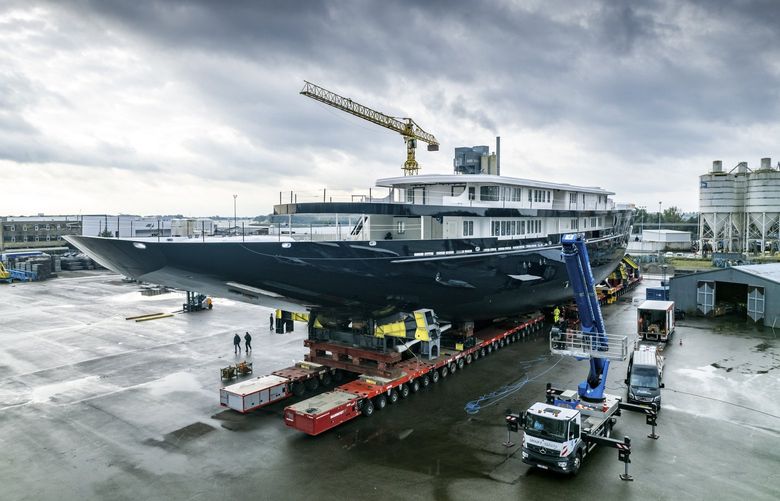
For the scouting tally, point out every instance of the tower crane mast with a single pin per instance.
(407, 127)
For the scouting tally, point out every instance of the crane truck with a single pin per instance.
(562, 431)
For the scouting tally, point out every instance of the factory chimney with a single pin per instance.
(498, 155)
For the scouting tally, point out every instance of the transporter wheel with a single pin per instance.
(327, 379)
(502, 343)
(577, 463)
(489, 349)
(461, 363)
(425, 381)
(380, 402)
(469, 358)
(482, 352)
(476, 354)
(393, 397)
(312, 384)
(298, 388)
(404, 390)
(368, 408)
(495, 346)
(415, 386)
(434, 376)
(453, 367)
(608, 430)
(338, 376)
(444, 372)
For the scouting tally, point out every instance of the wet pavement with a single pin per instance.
(93, 406)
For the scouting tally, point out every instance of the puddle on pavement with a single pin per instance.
(182, 436)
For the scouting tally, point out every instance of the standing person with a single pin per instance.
(272, 321)
(556, 316)
(248, 342)
(236, 345)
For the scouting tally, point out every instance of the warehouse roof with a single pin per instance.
(770, 271)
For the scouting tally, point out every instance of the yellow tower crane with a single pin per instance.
(410, 131)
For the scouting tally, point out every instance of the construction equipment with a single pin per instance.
(5, 275)
(562, 431)
(410, 131)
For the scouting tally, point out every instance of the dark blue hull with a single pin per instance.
(471, 279)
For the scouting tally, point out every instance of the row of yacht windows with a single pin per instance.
(595, 222)
(494, 194)
(515, 227)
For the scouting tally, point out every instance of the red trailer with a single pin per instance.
(368, 394)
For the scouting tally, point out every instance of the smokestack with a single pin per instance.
(717, 166)
(766, 163)
(498, 155)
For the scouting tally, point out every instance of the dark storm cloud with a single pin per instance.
(635, 80)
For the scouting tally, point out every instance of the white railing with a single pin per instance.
(586, 345)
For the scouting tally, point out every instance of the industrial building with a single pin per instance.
(654, 241)
(477, 160)
(740, 209)
(36, 231)
(752, 291)
(132, 226)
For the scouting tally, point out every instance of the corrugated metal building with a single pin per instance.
(750, 290)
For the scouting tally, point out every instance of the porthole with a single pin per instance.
(139, 245)
(372, 243)
(286, 245)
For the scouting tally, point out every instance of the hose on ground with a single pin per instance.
(496, 396)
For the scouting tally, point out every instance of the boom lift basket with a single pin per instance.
(585, 345)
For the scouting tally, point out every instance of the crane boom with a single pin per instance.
(592, 342)
(407, 127)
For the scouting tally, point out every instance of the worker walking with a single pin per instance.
(236, 345)
(208, 303)
(248, 342)
(272, 321)
(556, 316)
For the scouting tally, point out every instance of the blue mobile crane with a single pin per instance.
(562, 431)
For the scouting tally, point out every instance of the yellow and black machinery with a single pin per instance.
(398, 332)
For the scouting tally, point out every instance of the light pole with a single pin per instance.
(659, 217)
(235, 224)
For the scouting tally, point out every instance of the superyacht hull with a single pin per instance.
(460, 279)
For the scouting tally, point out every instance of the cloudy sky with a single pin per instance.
(173, 106)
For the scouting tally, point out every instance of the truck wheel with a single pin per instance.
(577, 463)
(298, 389)
(381, 402)
(434, 376)
(415, 387)
(476, 354)
(453, 367)
(489, 348)
(502, 343)
(425, 381)
(444, 372)
(393, 397)
(312, 384)
(338, 376)
(368, 407)
(469, 358)
(481, 352)
(404, 390)
(608, 430)
(461, 363)
(327, 379)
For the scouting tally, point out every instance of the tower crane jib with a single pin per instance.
(407, 127)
